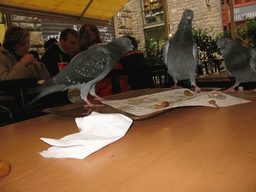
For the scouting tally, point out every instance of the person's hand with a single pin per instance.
(37, 64)
(28, 59)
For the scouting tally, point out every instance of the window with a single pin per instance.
(154, 29)
(152, 11)
(155, 39)
(156, 35)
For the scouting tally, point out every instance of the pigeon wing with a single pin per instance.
(253, 59)
(196, 54)
(165, 50)
(85, 67)
(228, 72)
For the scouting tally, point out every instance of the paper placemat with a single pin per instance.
(144, 105)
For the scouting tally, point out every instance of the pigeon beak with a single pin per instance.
(219, 49)
(133, 48)
(189, 18)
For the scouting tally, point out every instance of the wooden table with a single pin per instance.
(185, 149)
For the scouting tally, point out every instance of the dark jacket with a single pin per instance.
(52, 56)
(11, 68)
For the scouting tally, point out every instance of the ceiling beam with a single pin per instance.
(50, 15)
(86, 8)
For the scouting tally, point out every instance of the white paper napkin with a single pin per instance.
(96, 131)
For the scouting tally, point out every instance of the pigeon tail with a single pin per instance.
(47, 88)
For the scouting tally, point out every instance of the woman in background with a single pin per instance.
(88, 35)
(15, 61)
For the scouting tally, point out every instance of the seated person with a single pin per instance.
(134, 63)
(88, 35)
(49, 42)
(60, 52)
(15, 61)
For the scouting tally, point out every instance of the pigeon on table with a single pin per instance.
(239, 61)
(181, 54)
(86, 69)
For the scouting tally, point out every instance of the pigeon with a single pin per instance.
(86, 69)
(181, 54)
(239, 61)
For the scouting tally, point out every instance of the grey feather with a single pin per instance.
(239, 61)
(253, 59)
(180, 53)
(86, 69)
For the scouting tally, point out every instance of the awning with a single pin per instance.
(95, 11)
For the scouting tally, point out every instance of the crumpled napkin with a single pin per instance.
(96, 131)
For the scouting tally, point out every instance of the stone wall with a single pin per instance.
(34, 26)
(128, 21)
(37, 27)
(204, 18)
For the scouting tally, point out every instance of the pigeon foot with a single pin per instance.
(231, 89)
(90, 105)
(252, 91)
(197, 89)
(99, 98)
(93, 106)
(175, 86)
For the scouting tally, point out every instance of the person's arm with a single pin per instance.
(11, 69)
(41, 70)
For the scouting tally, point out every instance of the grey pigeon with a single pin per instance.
(239, 61)
(86, 69)
(180, 53)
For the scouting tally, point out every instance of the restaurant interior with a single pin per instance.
(150, 138)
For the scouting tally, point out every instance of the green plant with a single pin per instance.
(206, 40)
(153, 52)
(246, 33)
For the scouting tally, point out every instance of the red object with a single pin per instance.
(62, 65)
(104, 87)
